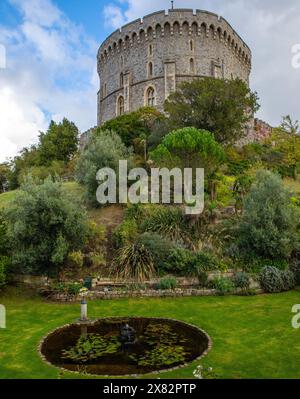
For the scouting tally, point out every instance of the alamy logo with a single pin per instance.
(2, 317)
(2, 57)
(296, 318)
(296, 57)
(153, 189)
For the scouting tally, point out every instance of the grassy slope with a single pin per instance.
(252, 336)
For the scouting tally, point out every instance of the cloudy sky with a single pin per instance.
(49, 70)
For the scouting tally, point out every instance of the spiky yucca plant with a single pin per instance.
(134, 262)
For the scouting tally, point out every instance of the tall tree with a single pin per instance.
(59, 142)
(223, 107)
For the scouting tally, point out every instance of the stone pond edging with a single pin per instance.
(209, 347)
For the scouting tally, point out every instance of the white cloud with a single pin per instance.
(113, 16)
(269, 27)
(50, 74)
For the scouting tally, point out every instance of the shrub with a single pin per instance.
(4, 261)
(103, 151)
(167, 283)
(223, 285)
(268, 227)
(76, 259)
(125, 233)
(205, 261)
(167, 221)
(159, 247)
(241, 280)
(295, 267)
(45, 224)
(288, 280)
(135, 124)
(135, 262)
(202, 278)
(181, 262)
(71, 288)
(270, 279)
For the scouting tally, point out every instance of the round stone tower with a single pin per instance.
(144, 61)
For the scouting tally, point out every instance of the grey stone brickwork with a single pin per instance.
(144, 61)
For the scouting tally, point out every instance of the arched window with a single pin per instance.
(150, 70)
(150, 97)
(121, 79)
(192, 66)
(120, 106)
(191, 45)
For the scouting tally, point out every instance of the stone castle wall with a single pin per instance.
(160, 51)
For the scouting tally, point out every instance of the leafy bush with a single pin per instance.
(268, 227)
(159, 247)
(76, 258)
(202, 278)
(134, 125)
(167, 283)
(167, 221)
(295, 267)
(45, 224)
(70, 288)
(134, 261)
(206, 261)
(103, 151)
(4, 261)
(288, 280)
(223, 285)
(125, 233)
(270, 279)
(241, 280)
(181, 262)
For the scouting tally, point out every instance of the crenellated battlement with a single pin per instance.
(182, 22)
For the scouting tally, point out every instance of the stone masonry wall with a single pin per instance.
(178, 45)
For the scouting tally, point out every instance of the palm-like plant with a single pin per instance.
(134, 262)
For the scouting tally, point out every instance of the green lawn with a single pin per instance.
(252, 336)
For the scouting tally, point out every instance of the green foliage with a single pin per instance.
(223, 285)
(59, 142)
(104, 151)
(288, 280)
(181, 262)
(134, 125)
(135, 262)
(271, 279)
(189, 148)
(222, 107)
(125, 233)
(162, 355)
(92, 347)
(5, 176)
(268, 226)
(159, 247)
(241, 280)
(290, 126)
(168, 222)
(167, 283)
(69, 288)
(165, 347)
(202, 278)
(160, 129)
(76, 258)
(44, 225)
(4, 262)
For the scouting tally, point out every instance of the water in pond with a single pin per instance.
(116, 346)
